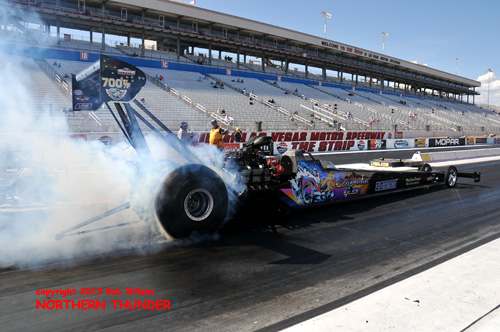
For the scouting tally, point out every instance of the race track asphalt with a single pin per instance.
(269, 272)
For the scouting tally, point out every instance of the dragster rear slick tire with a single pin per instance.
(192, 199)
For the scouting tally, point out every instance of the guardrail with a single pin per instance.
(201, 108)
(96, 118)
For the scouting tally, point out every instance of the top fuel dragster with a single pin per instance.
(194, 197)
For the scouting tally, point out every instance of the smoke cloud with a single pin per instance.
(50, 182)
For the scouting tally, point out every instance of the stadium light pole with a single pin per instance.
(456, 66)
(326, 16)
(489, 77)
(384, 35)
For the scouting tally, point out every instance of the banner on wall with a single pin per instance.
(433, 142)
(401, 144)
(420, 142)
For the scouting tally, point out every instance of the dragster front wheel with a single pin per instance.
(451, 176)
(192, 199)
(425, 168)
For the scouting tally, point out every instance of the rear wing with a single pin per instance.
(106, 80)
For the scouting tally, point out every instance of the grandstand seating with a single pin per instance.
(84, 46)
(190, 96)
(220, 63)
(148, 54)
(199, 90)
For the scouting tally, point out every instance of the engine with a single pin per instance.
(250, 165)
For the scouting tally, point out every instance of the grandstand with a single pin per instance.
(265, 96)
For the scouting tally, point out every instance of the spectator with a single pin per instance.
(238, 135)
(143, 100)
(161, 77)
(217, 135)
(183, 134)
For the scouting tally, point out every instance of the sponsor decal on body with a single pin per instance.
(412, 181)
(386, 185)
(83, 106)
(116, 94)
(126, 72)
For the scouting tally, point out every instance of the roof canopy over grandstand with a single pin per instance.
(182, 27)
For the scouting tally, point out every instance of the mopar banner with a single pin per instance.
(446, 142)
(106, 80)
